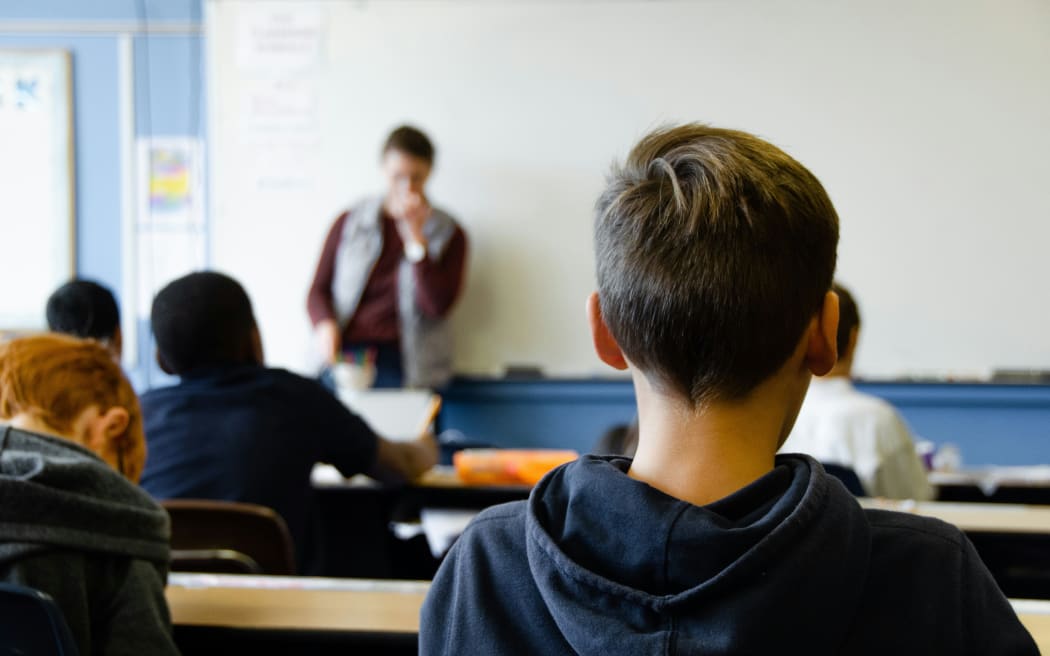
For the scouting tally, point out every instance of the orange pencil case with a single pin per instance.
(508, 466)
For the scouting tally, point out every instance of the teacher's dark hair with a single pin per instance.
(204, 320)
(411, 141)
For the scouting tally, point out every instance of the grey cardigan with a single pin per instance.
(426, 342)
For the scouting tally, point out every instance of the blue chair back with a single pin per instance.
(31, 624)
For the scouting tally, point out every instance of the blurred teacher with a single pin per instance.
(390, 271)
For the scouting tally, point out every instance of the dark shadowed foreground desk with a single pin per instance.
(257, 614)
(220, 614)
(355, 516)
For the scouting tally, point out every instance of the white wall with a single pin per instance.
(926, 121)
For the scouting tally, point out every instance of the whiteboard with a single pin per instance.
(36, 183)
(926, 121)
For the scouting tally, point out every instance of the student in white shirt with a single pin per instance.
(839, 424)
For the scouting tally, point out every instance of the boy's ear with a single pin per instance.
(115, 422)
(822, 349)
(604, 343)
(107, 430)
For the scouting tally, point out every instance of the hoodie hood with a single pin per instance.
(661, 575)
(57, 494)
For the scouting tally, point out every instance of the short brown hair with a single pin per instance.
(714, 250)
(57, 377)
(411, 141)
(849, 318)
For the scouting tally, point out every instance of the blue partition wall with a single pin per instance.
(991, 424)
(166, 79)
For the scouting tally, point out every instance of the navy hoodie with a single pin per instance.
(596, 562)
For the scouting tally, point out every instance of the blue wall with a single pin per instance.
(991, 424)
(169, 101)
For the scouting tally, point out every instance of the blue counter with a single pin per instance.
(991, 423)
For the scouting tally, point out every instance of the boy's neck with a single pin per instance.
(703, 455)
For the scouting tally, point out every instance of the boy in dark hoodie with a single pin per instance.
(73, 524)
(715, 254)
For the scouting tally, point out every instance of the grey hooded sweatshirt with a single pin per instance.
(73, 527)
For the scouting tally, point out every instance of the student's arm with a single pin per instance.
(396, 461)
(350, 445)
(438, 281)
(138, 621)
(990, 625)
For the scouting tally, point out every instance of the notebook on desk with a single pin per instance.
(398, 415)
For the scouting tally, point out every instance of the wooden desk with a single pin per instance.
(285, 602)
(975, 517)
(348, 607)
(223, 614)
(1025, 485)
(354, 518)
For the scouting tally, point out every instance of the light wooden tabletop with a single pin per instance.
(975, 517)
(356, 605)
(283, 602)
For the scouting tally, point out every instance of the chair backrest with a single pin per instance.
(32, 623)
(224, 536)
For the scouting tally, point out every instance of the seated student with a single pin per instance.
(235, 430)
(72, 522)
(839, 425)
(86, 309)
(715, 254)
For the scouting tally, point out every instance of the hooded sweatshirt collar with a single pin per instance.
(677, 576)
(54, 493)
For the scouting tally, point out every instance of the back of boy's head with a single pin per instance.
(849, 319)
(83, 308)
(714, 251)
(203, 320)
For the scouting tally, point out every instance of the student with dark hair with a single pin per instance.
(235, 430)
(389, 273)
(73, 524)
(84, 308)
(840, 425)
(715, 254)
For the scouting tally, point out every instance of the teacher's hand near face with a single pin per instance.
(411, 211)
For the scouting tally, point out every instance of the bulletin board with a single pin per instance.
(37, 205)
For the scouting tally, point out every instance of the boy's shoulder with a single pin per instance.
(240, 379)
(926, 533)
(498, 526)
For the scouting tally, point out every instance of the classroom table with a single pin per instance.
(224, 613)
(1028, 485)
(975, 517)
(354, 517)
